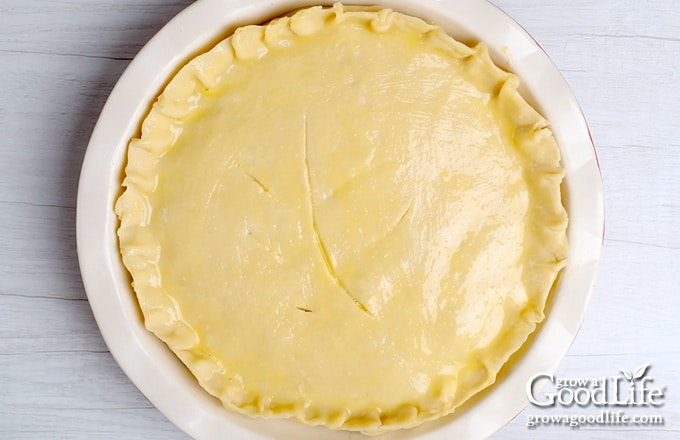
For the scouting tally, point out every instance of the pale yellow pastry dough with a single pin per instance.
(343, 216)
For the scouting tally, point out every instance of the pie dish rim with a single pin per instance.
(109, 292)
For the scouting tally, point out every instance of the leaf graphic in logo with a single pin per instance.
(640, 372)
(627, 374)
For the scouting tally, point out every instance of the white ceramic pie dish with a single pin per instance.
(158, 373)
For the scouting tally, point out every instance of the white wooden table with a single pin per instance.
(59, 60)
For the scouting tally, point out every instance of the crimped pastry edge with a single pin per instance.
(141, 251)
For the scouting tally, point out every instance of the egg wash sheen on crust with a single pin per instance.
(343, 216)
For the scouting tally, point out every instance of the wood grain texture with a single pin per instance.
(60, 60)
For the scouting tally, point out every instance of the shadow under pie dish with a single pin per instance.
(343, 216)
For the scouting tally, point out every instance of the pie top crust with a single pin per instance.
(343, 216)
